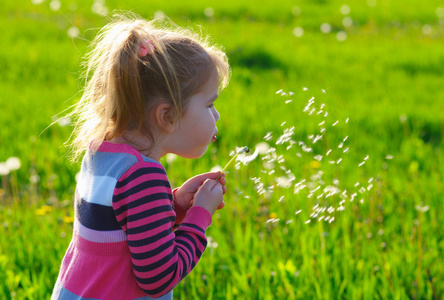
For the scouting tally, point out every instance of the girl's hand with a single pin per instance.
(209, 195)
(185, 194)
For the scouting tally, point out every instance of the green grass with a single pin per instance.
(386, 77)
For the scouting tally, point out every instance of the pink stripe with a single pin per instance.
(150, 233)
(152, 246)
(144, 164)
(98, 277)
(155, 258)
(141, 194)
(151, 219)
(139, 180)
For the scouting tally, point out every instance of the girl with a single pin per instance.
(148, 92)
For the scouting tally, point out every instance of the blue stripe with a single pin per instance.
(96, 189)
(61, 293)
(96, 216)
(108, 164)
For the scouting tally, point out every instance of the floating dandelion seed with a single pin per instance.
(370, 186)
(361, 164)
(298, 212)
(170, 158)
(326, 114)
(279, 91)
(346, 120)
(281, 199)
(341, 145)
(346, 150)
(365, 158)
(328, 152)
(283, 123)
(268, 136)
(318, 157)
(388, 156)
(288, 101)
(335, 123)
(370, 180)
(305, 89)
(339, 161)
(308, 221)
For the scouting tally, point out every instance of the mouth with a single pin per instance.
(214, 138)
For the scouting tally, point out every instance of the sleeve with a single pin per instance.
(143, 205)
(179, 210)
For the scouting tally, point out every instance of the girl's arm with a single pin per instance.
(161, 258)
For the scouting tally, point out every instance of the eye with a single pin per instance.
(211, 105)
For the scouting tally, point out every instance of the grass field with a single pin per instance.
(377, 65)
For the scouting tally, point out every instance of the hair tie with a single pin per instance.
(144, 51)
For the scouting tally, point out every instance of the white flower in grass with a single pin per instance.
(3, 169)
(170, 158)
(13, 163)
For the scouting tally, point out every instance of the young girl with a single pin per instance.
(148, 92)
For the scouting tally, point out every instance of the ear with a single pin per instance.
(163, 115)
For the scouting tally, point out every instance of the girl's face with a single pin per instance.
(197, 127)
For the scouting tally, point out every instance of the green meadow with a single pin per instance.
(362, 221)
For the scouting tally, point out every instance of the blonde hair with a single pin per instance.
(121, 86)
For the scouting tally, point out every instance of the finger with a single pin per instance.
(224, 189)
(221, 205)
(222, 180)
(210, 184)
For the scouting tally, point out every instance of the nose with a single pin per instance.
(216, 115)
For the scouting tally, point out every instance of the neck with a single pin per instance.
(141, 143)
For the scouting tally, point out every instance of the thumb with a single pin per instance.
(209, 184)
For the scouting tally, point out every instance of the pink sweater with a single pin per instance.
(130, 240)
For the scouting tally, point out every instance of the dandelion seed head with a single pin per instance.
(55, 5)
(170, 158)
(73, 32)
(341, 36)
(159, 15)
(347, 21)
(209, 12)
(422, 208)
(298, 31)
(13, 163)
(325, 28)
(345, 9)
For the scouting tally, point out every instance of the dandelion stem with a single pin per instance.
(243, 150)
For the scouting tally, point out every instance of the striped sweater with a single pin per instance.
(130, 239)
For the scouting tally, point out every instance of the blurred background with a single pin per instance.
(364, 79)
